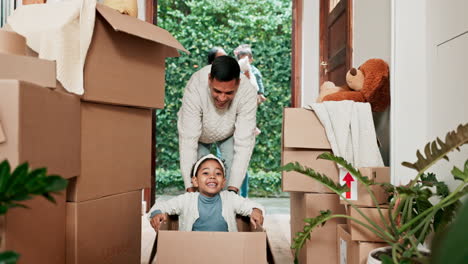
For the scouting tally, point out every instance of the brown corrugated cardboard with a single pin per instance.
(126, 60)
(378, 174)
(359, 233)
(304, 139)
(37, 233)
(41, 127)
(211, 247)
(115, 151)
(302, 129)
(106, 230)
(353, 252)
(298, 182)
(245, 246)
(12, 43)
(29, 69)
(322, 246)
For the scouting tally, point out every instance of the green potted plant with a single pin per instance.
(410, 215)
(21, 185)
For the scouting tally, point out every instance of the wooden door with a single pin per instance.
(335, 40)
(149, 194)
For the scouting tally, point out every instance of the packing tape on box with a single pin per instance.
(2, 134)
(12, 43)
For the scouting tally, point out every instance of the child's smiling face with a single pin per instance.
(210, 178)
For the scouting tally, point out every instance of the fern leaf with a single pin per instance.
(311, 223)
(461, 175)
(438, 149)
(322, 178)
(347, 166)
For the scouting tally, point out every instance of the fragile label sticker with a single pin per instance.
(351, 182)
(343, 251)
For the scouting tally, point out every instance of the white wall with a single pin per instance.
(448, 80)
(141, 9)
(409, 116)
(310, 52)
(372, 39)
(371, 30)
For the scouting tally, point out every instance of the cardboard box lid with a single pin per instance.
(139, 28)
(29, 69)
(211, 247)
(302, 129)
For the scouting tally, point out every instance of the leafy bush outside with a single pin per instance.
(261, 184)
(202, 24)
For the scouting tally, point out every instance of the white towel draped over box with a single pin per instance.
(350, 130)
(60, 31)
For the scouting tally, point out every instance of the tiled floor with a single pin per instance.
(276, 225)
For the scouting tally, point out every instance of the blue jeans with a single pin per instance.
(225, 151)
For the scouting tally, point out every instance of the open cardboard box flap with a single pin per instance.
(140, 29)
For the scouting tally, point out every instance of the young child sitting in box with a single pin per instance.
(211, 208)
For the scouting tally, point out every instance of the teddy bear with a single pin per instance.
(369, 83)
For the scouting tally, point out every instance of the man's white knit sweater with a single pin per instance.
(200, 121)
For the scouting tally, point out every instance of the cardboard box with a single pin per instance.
(28, 69)
(115, 151)
(304, 139)
(359, 233)
(353, 252)
(246, 246)
(322, 246)
(125, 64)
(40, 126)
(297, 182)
(302, 129)
(378, 174)
(12, 43)
(106, 230)
(37, 233)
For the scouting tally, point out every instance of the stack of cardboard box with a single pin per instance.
(101, 142)
(124, 79)
(353, 241)
(40, 126)
(304, 139)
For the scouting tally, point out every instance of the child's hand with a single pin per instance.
(256, 218)
(156, 221)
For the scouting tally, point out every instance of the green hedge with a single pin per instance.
(261, 183)
(202, 24)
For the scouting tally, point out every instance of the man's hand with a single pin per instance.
(192, 189)
(156, 221)
(256, 218)
(260, 99)
(233, 188)
(247, 74)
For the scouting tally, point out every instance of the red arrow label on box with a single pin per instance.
(348, 179)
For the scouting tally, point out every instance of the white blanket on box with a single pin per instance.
(60, 31)
(351, 132)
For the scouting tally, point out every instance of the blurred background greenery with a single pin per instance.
(202, 24)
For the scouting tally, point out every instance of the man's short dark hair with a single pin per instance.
(225, 69)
